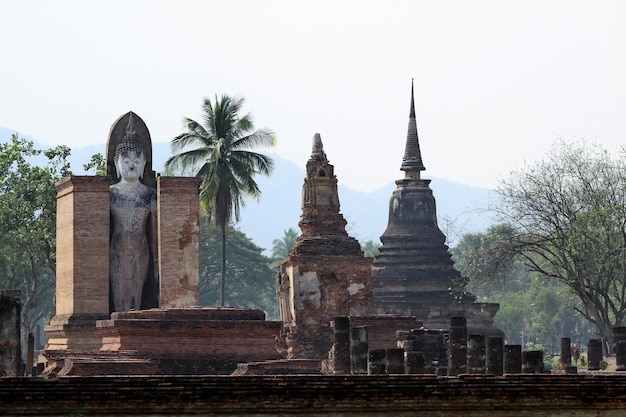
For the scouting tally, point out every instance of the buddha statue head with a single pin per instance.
(129, 157)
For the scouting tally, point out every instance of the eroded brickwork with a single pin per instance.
(195, 340)
(326, 274)
(179, 209)
(82, 253)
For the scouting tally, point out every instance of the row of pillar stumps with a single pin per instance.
(594, 352)
(451, 353)
(423, 351)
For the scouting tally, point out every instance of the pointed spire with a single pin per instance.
(130, 128)
(318, 146)
(412, 161)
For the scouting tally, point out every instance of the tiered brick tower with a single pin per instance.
(325, 274)
(414, 273)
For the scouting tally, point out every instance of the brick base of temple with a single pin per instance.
(190, 341)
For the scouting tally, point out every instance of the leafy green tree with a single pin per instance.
(532, 307)
(370, 249)
(28, 224)
(281, 247)
(479, 257)
(220, 152)
(97, 163)
(568, 211)
(250, 281)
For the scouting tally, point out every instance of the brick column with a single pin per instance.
(566, 351)
(532, 362)
(377, 362)
(457, 363)
(619, 348)
(82, 264)
(476, 355)
(339, 355)
(512, 359)
(495, 356)
(395, 361)
(359, 347)
(178, 220)
(594, 354)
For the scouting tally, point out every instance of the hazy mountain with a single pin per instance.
(460, 208)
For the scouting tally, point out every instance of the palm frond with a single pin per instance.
(190, 160)
(257, 139)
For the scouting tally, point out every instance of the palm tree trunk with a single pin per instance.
(223, 277)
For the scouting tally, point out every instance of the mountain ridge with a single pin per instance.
(461, 208)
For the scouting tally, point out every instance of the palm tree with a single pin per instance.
(219, 151)
(281, 247)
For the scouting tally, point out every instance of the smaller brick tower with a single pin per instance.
(325, 275)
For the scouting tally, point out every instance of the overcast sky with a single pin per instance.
(496, 82)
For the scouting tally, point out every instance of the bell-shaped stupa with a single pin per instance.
(414, 273)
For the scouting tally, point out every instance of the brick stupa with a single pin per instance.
(414, 273)
(326, 274)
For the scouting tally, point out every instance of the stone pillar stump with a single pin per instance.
(457, 363)
(512, 359)
(394, 361)
(339, 356)
(532, 362)
(377, 362)
(566, 351)
(594, 354)
(359, 347)
(495, 356)
(476, 355)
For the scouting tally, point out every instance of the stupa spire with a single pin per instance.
(412, 161)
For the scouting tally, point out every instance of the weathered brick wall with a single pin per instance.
(178, 240)
(382, 329)
(82, 282)
(82, 274)
(194, 340)
(384, 395)
(315, 290)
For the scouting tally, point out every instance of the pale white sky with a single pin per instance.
(496, 82)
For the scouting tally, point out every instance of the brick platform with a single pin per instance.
(193, 340)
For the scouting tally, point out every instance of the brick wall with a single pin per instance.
(402, 395)
(82, 276)
(179, 206)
